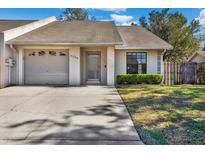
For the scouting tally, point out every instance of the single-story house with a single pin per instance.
(75, 53)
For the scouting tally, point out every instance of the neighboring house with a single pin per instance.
(74, 53)
(198, 57)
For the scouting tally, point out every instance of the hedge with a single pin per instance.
(139, 78)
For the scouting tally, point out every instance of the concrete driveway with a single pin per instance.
(64, 115)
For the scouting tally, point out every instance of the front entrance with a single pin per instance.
(93, 67)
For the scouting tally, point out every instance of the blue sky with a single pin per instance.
(120, 16)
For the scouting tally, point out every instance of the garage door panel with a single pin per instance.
(51, 67)
(60, 63)
(35, 64)
(47, 79)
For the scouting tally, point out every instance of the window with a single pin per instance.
(52, 53)
(136, 63)
(62, 54)
(158, 62)
(203, 66)
(32, 54)
(41, 53)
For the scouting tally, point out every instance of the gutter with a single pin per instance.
(141, 48)
(60, 43)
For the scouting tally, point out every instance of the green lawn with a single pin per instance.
(167, 114)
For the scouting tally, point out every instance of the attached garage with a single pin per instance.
(46, 67)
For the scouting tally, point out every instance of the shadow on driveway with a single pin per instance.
(106, 122)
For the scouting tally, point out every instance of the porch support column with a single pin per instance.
(110, 66)
(2, 61)
(20, 66)
(74, 66)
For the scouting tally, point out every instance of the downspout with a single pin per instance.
(163, 66)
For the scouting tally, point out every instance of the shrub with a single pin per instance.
(139, 78)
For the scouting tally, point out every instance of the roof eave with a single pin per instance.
(59, 43)
(192, 56)
(143, 48)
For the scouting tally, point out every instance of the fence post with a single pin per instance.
(165, 72)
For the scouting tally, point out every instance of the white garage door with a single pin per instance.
(46, 67)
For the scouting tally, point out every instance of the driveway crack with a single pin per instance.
(31, 97)
(26, 137)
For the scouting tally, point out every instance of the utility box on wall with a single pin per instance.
(10, 62)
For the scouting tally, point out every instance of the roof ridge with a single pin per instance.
(16, 20)
(75, 32)
(130, 26)
(81, 21)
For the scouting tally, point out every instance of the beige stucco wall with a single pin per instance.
(121, 61)
(77, 62)
(198, 59)
(2, 59)
(74, 66)
(110, 65)
(151, 62)
(9, 70)
(103, 53)
(7, 74)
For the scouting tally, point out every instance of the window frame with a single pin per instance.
(137, 64)
(203, 65)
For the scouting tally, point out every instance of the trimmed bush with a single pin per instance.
(139, 78)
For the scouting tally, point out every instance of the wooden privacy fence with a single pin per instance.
(179, 73)
(172, 73)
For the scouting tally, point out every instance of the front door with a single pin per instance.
(93, 67)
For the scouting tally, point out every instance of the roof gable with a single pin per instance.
(200, 53)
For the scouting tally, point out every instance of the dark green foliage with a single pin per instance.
(70, 14)
(139, 78)
(174, 28)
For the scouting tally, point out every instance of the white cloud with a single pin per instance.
(201, 17)
(116, 10)
(121, 19)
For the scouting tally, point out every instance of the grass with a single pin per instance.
(167, 114)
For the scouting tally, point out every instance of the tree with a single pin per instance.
(175, 29)
(70, 14)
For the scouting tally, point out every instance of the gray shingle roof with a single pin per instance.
(10, 24)
(202, 53)
(135, 37)
(199, 52)
(75, 32)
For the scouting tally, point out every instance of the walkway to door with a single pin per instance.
(64, 115)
